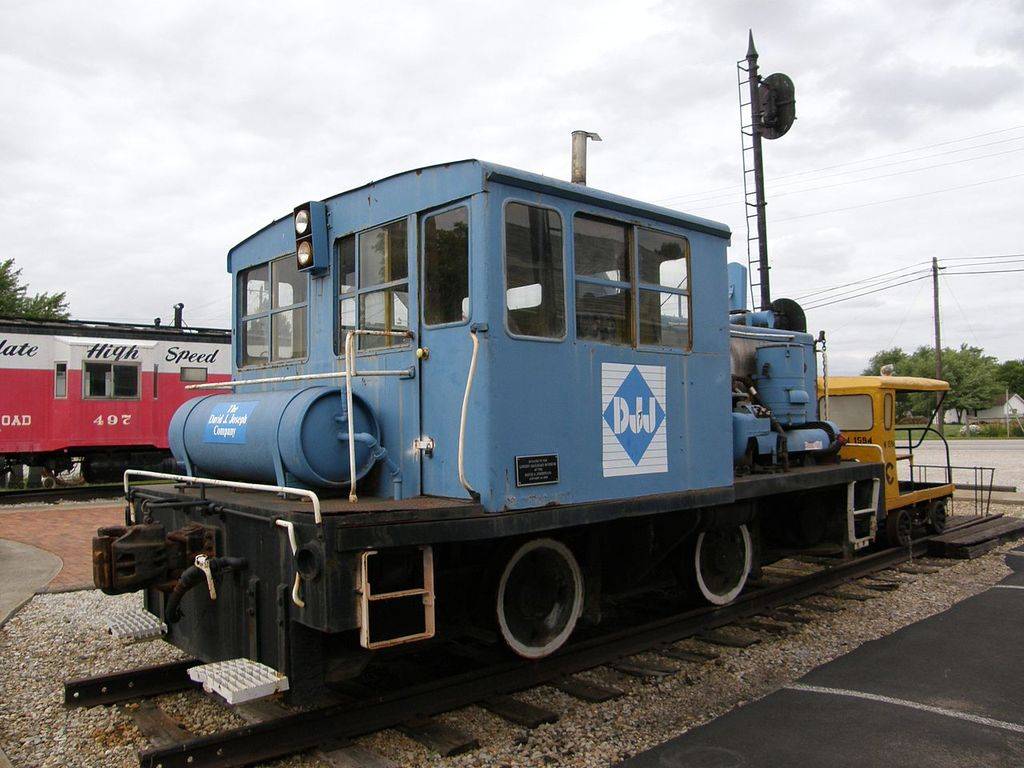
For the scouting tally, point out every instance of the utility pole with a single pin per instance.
(755, 130)
(938, 342)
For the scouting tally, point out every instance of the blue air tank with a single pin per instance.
(781, 380)
(292, 437)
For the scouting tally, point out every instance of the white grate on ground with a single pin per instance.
(135, 626)
(239, 680)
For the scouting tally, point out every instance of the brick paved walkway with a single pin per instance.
(66, 530)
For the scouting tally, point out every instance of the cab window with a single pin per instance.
(603, 281)
(534, 273)
(373, 285)
(446, 267)
(887, 409)
(618, 264)
(664, 292)
(851, 412)
(273, 305)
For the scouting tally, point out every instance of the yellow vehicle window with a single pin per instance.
(887, 411)
(851, 412)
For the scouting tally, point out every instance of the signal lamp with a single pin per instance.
(302, 222)
(311, 246)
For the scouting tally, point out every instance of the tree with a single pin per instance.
(15, 301)
(973, 377)
(1011, 376)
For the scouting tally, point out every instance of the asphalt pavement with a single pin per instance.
(24, 570)
(942, 693)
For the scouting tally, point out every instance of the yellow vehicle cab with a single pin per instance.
(865, 410)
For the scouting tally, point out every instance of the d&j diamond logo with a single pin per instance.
(634, 416)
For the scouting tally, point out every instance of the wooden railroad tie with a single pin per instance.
(519, 712)
(729, 639)
(643, 669)
(161, 729)
(695, 656)
(584, 690)
(444, 739)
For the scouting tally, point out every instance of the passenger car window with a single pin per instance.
(446, 267)
(107, 381)
(60, 380)
(192, 374)
(534, 272)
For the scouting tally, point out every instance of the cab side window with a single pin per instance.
(603, 280)
(534, 272)
(373, 290)
(664, 295)
(273, 306)
(446, 267)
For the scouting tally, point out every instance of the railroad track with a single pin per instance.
(65, 493)
(275, 731)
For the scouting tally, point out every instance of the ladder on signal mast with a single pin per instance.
(750, 210)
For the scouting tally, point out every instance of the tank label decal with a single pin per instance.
(634, 419)
(227, 422)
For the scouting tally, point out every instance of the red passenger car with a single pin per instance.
(98, 394)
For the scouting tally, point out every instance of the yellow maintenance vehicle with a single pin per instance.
(865, 410)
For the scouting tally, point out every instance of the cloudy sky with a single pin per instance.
(139, 141)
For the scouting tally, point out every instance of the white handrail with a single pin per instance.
(290, 527)
(297, 377)
(465, 411)
(228, 484)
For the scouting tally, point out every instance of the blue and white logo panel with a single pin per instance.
(634, 419)
(228, 422)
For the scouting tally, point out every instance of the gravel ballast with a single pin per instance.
(61, 636)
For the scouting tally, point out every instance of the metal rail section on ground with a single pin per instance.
(57, 495)
(300, 731)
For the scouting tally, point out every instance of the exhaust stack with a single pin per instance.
(579, 155)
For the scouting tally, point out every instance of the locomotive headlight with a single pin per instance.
(301, 222)
(304, 254)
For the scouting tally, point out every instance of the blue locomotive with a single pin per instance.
(468, 397)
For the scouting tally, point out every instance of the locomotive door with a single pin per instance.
(444, 346)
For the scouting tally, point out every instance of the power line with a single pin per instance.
(868, 293)
(916, 267)
(988, 272)
(897, 199)
(703, 194)
(871, 178)
(696, 201)
(857, 295)
(949, 287)
(815, 291)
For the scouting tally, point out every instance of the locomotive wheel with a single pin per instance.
(540, 598)
(720, 564)
(899, 528)
(936, 516)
